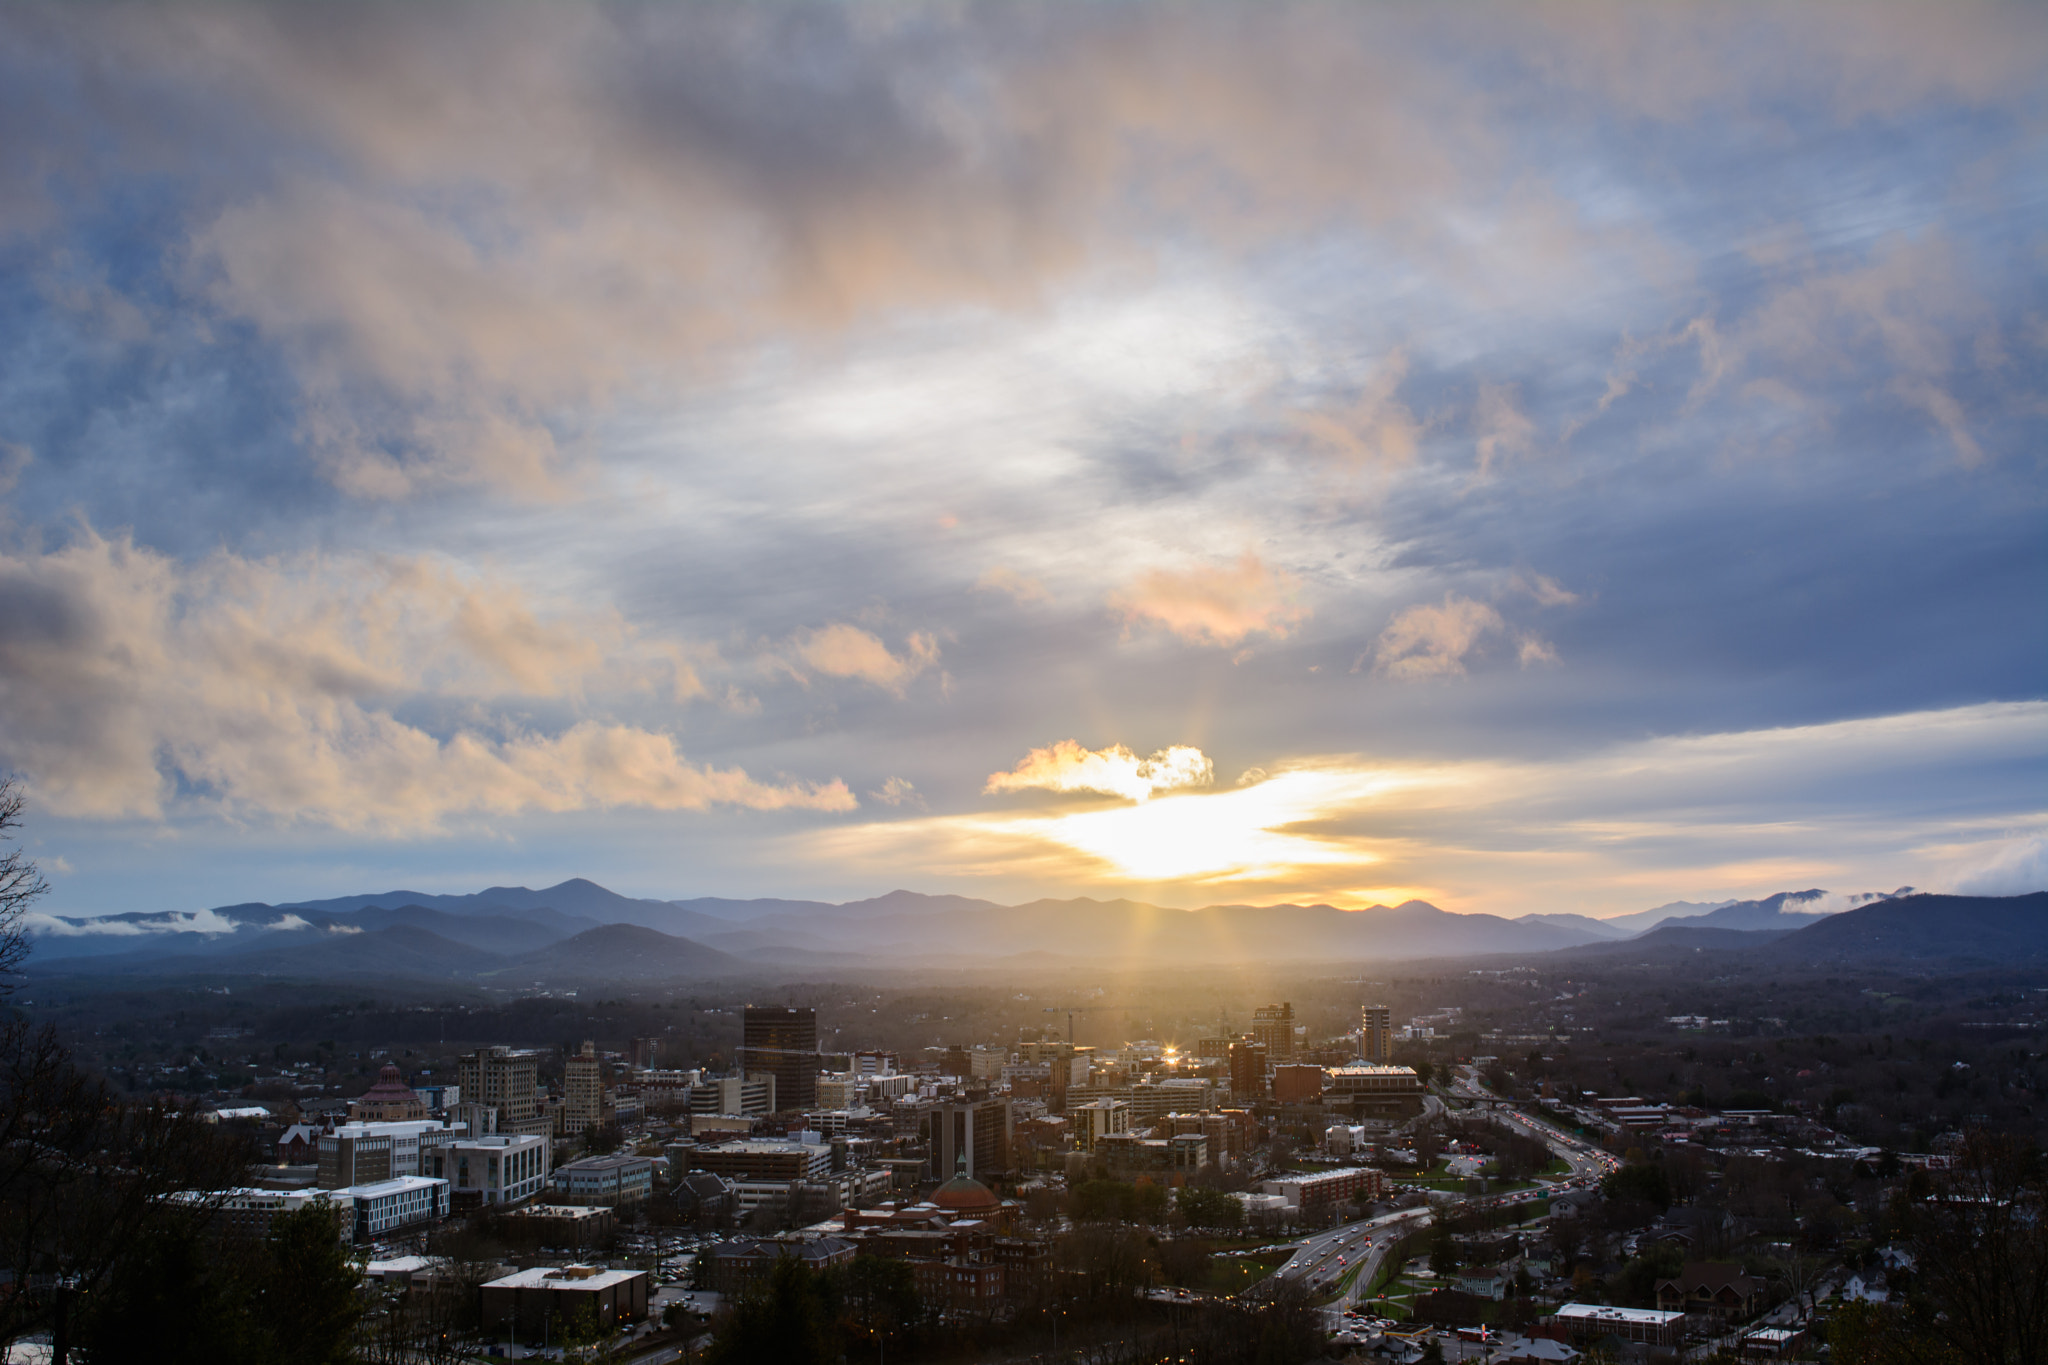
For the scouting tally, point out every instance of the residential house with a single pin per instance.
(1717, 1289)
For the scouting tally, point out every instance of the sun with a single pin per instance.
(1253, 833)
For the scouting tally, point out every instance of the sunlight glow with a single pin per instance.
(1250, 833)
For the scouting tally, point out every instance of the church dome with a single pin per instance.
(967, 1197)
(390, 1092)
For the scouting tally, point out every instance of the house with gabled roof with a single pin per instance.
(1717, 1289)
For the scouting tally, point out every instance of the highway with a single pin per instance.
(1589, 1162)
(1322, 1259)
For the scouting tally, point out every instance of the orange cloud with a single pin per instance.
(843, 651)
(1115, 771)
(1378, 429)
(129, 682)
(1434, 640)
(1215, 606)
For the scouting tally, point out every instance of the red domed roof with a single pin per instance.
(965, 1195)
(389, 1089)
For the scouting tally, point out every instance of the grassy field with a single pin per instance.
(1235, 1274)
(1400, 1289)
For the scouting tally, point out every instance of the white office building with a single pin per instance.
(500, 1168)
(390, 1205)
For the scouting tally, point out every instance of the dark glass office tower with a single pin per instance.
(782, 1043)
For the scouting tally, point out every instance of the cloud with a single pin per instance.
(775, 312)
(1547, 591)
(14, 458)
(1433, 640)
(2012, 867)
(465, 233)
(599, 766)
(1624, 373)
(132, 686)
(1941, 405)
(1021, 589)
(1377, 430)
(174, 922)
(465, 238)
(898, 791)
(1729, 815)
(541, 659)
(1210, 605)
(1893, 311)
(1677, 63)
(844, 651)
(1503, 428)
(1115, 771)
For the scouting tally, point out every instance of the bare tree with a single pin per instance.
(1803, 1273)
(1982, 1249)
(83, 1176)
(20, 885)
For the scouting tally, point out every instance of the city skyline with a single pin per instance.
(1524, 459)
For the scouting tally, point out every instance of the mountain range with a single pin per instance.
(579, 930)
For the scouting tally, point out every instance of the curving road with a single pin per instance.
(1322, 1259)
(1589, 1162)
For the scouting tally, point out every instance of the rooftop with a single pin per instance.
(390, 1089)
(964, 1194)
(1370, 1069)
(390, 1127)
(247, 1111)
(1600, 1312)
(806, 1249)
(396, 1185)
(398, 1265)
(565, 1277)
(616, 1161)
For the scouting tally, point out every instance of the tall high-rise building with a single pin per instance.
(1376, 1034)
(582, 1091)
(1247, 1070)
(643, 1053)
(503, 1080)
(1273, 1025)
(783, 1043)
(973, 1137)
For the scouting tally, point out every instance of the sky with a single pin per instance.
(1530, 458)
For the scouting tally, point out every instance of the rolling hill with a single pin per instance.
(1927, 928)
(628, 952)
(519, 934)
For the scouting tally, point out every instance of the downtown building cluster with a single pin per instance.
(920, 1157)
